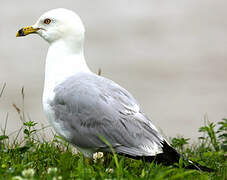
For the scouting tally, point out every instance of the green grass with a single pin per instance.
(35, 158)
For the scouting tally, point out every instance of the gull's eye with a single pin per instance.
(47, 21)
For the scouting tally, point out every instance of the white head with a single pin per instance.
(58, 25)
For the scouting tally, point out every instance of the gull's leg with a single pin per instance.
(107, 158)
(87, 161)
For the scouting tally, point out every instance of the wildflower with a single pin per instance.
(28, 173)
(109, 170)
(17, 178)
(57, 178)
(97, 156)
(52, 170)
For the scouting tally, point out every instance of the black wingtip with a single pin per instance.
(170, 156)
(197, 166)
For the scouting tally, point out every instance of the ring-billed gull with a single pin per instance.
(82, 106)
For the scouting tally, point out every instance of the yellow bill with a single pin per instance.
(26, 30)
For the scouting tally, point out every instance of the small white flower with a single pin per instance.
(28, 173)
(57, 178)
(17, 178)
(52, 170)
(97, 155)
(109, 170)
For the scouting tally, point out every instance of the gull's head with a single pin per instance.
(55, 25)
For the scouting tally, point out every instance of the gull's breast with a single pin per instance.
(51, 117)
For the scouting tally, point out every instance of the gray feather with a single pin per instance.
(91, 105)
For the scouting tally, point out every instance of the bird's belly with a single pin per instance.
(62, 131)
(57, 125)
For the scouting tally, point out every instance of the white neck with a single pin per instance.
(63, 60)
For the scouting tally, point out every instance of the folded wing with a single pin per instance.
(91, 106)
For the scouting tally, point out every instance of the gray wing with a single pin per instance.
(91, 105)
